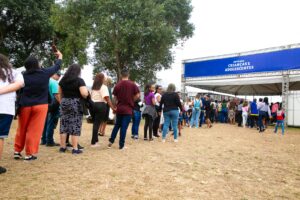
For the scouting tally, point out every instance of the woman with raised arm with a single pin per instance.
(33, 106)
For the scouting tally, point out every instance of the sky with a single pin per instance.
(232, 26)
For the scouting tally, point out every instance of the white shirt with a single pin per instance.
(98, 95)
(155, 96)
(186, 106)
(7, 101)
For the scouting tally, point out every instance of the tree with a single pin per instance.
(25, 29)
(135, 34)
(72, 22)
(139, 34)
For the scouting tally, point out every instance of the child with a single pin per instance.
(280, 120)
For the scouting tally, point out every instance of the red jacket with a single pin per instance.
(280, 115)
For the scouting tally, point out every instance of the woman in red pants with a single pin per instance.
(33, 107)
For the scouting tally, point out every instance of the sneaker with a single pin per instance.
(30, 158)
(175, 140)
(151, 139)
(109, 145)
(76, 151)
(62, 150)
(156, 136)
(52, 144)
(2, 170)
(136, 137)
(132, 136)
(80, 147)
(123, 148)
(17, 156)
(68, 145)
(43, 143)
(163, 140)
(145, 139)
(95, 145)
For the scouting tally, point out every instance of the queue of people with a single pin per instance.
(42, 100)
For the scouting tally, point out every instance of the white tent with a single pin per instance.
(273, 71)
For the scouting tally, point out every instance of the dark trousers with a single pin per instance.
(50, 125)
(122, 123)
(212, 116)
(99, 112)
(156, 125)
(253, 120)
(239, 118)
(148, 125)
(201, 117)
(262, 115)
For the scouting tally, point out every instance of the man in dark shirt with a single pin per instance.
(125, 93)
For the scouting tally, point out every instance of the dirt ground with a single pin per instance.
(224, 162)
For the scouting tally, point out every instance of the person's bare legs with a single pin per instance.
(75, 141)
(1, 147)
(102, 128)
(179, 128)
(63, 138)
(208, 122)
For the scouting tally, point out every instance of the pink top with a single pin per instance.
(245, 109)
(274, 108)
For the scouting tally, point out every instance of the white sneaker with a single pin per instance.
(124, 148)
(95, 145)
(163, 140)
(176, 140)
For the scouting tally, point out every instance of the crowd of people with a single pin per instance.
(42, 100)
(245, 113)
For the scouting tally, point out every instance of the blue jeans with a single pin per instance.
(50, 125)
(136, 119)
(262, 115)
(170, 116)
(122, 123)
(185, 117)
(224, 116)
(220, 116)
(280, 123)
(195, 118)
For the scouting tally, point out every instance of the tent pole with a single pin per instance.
(285, 93)
(183, 81)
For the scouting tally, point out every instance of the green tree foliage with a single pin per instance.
(25, 29)
(139, 34)
(72, 24)
(135, 34)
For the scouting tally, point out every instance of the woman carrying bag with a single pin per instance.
(100, 98)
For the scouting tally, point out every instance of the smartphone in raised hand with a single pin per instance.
(54, 49)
